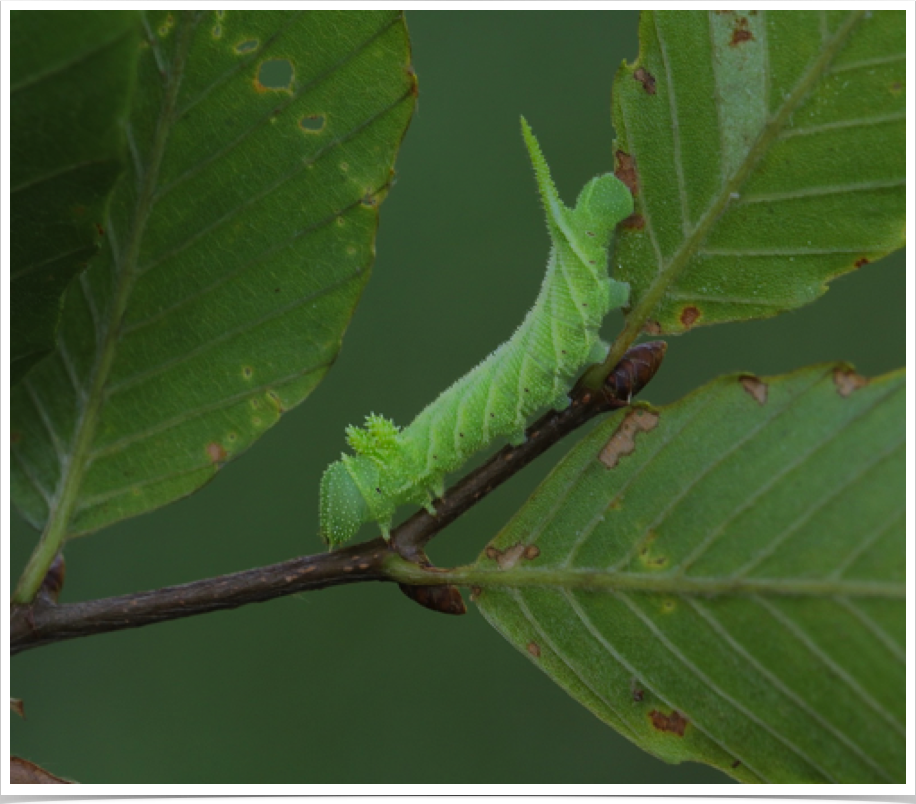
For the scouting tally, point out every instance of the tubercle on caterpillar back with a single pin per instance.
(534, 369)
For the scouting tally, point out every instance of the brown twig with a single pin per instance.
(45, 622)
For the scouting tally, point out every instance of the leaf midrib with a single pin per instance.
(65, 497)
(677, 585)
(669, 273)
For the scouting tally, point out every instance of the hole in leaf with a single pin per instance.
(247, 46)
(313, 123)
(276, 74)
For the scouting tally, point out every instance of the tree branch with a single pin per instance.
(45, 622)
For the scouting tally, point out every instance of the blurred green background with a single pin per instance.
(358, 684)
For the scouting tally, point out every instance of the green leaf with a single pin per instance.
(768, 149)
(71, 73)
(722, 580)
(235, 252)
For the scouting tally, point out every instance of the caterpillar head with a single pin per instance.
(343, 506)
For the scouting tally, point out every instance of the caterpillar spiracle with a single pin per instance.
(534, 369)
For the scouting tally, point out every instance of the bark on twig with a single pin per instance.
(45, 622)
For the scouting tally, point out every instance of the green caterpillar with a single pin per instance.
(534, 369)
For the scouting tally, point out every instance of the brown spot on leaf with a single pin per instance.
(17, 706)
(24, 772)
(101, 231)
(476, 592)
(689, 316)
(861, 261)
(625, 170)
(755, 387)
(15, 436)
(637, 692)
(652, 328)
(736, 763)
(508, 558)
(215, 452)
(534, 649)
(635, 223)
(647, 540)
(623, 442)
(532, 551)
(675, 723)
(741, 33)
(648, 558)
(645, 78)
(847, 381)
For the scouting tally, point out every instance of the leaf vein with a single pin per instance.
(676, 652)
(599, 637)
(800, 460)
(69, 65)
(238, 270)
(873, 628)
(86, 251)
(663, 444)
(269, 115)
(865, 63)
(153, 42)
(789, 252)
(247, 326)
(235, 69)
(69, 368)
(804, 638)
(675, 130)
(140, 435)
(808, 710)
(697, 477)
(73, 167)
(93, 310)
(784, 536)
(99, 499)
(859, 122)
(622, 722)
(808, 192)
(56, 441)
(686, 295)
(134, 154)
(31, 477)
(257, 197)
(644, 209)
(870, 539)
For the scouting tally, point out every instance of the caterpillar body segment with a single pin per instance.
(534, 369)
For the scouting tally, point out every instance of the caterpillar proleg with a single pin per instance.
(534, 369)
